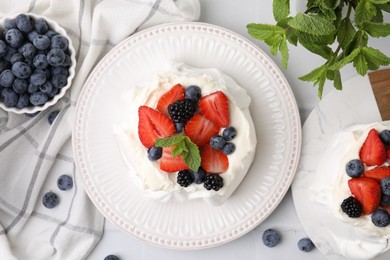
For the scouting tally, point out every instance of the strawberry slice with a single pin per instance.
(174, 94)
(200, 130)
(215, 107)
(373, 151)
(153, 124)
(378, 173)
(169, 164)
(213, 161)
(367, 191)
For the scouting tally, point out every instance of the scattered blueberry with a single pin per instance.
(37, 78)
(385, 137)
(46, 87)
(59, 81)
(111, 257)
(154, 153)
(6, 78)
(354, 168)
(9, 24)
(38, 98)
(23, 101)
(20, 86)
(64, 182)
(385, 200)
(217, 142)
(9, 97)
(271, 237)
(229, 148)
(305, 245)
(380, 218)
(199, 176)
(229, 133)
(14, 38)
(28, 50)
(41, 42)
(50, 200)
(193, 93)
(24, 23)
(385, 185)
(3, 48)
(55, 57)
(21, 70)
(52, 116)
(59, 42)
(40, 61)
(41, 25)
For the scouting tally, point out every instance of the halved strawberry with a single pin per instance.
(153, 124)
(200, 130)
(373, 150)
(174, 94)
(215, 107)
(367, 191)
(213, 161)
(169, 164)
(378, 173)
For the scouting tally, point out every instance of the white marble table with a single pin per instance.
(234, 15)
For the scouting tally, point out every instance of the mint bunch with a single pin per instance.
(326, 29)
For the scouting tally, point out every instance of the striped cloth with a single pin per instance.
(34, 153)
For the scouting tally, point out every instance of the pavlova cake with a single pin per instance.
(188, 135)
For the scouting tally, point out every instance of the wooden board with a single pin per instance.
(380, 83)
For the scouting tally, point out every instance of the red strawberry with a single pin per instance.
(213, 161)
(174, 94)
(200, 130)
(169, 164)
(378, 173)
(153, 124)
(373, 150)
(367, 191)
(215, 107)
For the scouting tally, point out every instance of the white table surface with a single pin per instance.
(235, 15)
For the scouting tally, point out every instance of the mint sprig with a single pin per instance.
(326, 29)
(184, 147)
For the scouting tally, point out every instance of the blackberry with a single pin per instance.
(185, 178)
(351, 207)
(213, 181)
(182, 110)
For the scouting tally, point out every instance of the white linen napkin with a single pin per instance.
(34, 153)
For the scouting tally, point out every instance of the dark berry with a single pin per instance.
(40, 61)
(38, 98)
(37, 78)
(385, 137)
(229, 148)
(59, 81)
(23, 101)
(46, 87)
(53, 92)
(28, 51)
(59, 70)
(41, 25)
(4, 64)
(16, 57)
(41, 42)
(64, 182)
(52, 116)
(9, 97)
(229, 133)
(111, 257)
(213, 182)
(385, 185)
(271, 237)
(193, 93)
(59, 42)
(9, 24)
(305, 244)
(385, 200)
(67, 62)
(32, 88)
(185, 178)
(21, 70)
(10, 54)
(50, 33)
(14, 38)
(199, 176)
(354, 168)
(50, 200)
(351, 207)
(217, 142)
(182, 110)
(31, 35)
(6, 78)
(179, 127)
(380, 218)
(20, 86)
(3, 48)
(55, 57)
(154, 153)
(24, 23)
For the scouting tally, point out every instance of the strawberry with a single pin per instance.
(367, 191)
(373, 150)
(378, 173)
(200, 130)
(153, 124)
(215, 107)
(174, 94)
(169, 164)
(213, 161)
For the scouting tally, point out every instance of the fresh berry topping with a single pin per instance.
(367, 191)
(385, 185)
(354, 168)
(217, 142)
(305, 245)
(229, 148)
(185, 178)
(213, 182)
(385, 137)
(200, 130)
(378, 173)
(271, 237)
(193, 93)
(174, 94)
(111, 257)
(153, 124)
(351, 207)
(213, 161)
(373, 150)
(380, 218)
(154, 153)
(182, 110)
(215, 107)
(179, 127)
(385, 200)
(199, 176)
(64, 182)
(169, 164)
(50, 200)
(229, 133)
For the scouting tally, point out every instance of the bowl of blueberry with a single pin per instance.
(37, 63)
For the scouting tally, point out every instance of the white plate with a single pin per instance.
(354, 105)
(192, 224)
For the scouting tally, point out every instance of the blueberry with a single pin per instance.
(6, 78)
(50, 33)
(37, 78)
(59, 42)
(385, 137)
(229, 133)
(380, 218)
(10, 53)
(59, 81)
(305, 244)
(14, 38)
(199, 176)
(111, 257)
(385, 185)
(67, 62)
(154, 153)
(354, 168)
(23, 101)
(10, 24)
(24, 23)
(40, 61)
(16, 57)
(217, 142)
(38, 98)
(21, 70)
(53, 92)
(59, 70)
(229, 148)
(31, 35)
(385, 200)
(20, 86)
(28, 50)
(179, 127)
(9, 97)
(41, 25)
(3, 48)
(45, 72)
(46, 87)
(65, 182)
(41, 42)
(50, 200)
(193, 92)
(55, 57)
(270, 237)
(32, 88)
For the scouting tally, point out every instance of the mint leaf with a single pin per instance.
(337, 83)
(380, 2)
(346, 33)
(360, 64)
(192, 158)
(377, 29)
(322, 50)
(284, 52)
(281, 9)
(169, 141)
(179, 149)
(375, 57)
(365, 11)
(264, 31)
(315, 74)
(378, 18)
(341, 63)
(312, 24)
(385, 7)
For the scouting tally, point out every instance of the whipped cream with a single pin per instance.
(147, 174)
